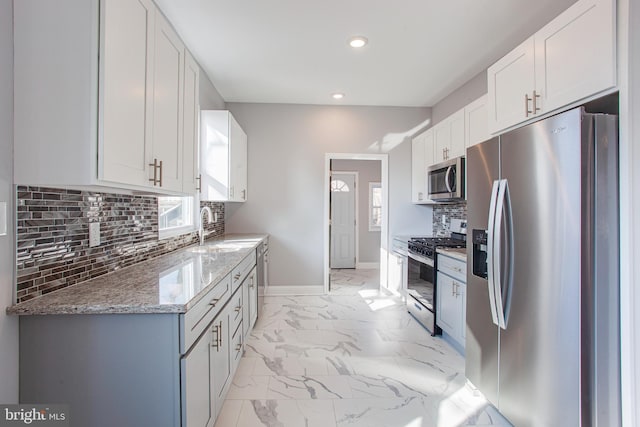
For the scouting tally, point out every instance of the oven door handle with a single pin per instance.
(420, 259)
(490, 251)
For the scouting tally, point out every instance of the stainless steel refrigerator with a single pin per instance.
(542, 341)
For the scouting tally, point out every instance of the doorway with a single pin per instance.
(355, 243)
(344, 219)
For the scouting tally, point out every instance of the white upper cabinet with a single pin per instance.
(126, 93)
(237, 162)
(99, 92)
(191, 124)
(476, 121)
(449, 137)
(223, 152)
(422, 150)
(570, 59)
(510, 83)
(168, 92)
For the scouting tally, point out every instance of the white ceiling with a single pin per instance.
(296, 51)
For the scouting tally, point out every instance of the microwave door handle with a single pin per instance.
(446, 179)
(490, 248)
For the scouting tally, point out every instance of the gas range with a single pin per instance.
(426, 246)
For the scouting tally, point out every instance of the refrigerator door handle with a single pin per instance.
(490, 251)
(503, 211)
(446, 179)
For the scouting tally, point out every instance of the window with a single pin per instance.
(175, 216)
(338, 185)
(375, 206)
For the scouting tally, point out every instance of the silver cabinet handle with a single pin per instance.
(238, 308)
(535, 102)
(155, 167)
(420, 195)
(160, 173)
(237, 276)
(214, 301)
(526, 105)
(199, 185)
(239, 347)
(231, 192)
(216, 331)
(244, 194)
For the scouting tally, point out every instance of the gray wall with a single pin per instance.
(286, 149)
(470, 91)
(368, 171)
(8, 325)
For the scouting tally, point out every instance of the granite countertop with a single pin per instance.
(457, 253)
(170, 283)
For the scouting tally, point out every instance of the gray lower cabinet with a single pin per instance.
(199, 397)
(148, 369)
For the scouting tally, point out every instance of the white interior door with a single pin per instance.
(343, 220)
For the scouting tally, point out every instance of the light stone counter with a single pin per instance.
(457, 253)
(171, 283)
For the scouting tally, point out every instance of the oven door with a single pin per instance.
(421, 290)
(445, 180)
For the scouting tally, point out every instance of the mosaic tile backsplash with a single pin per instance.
(53, 236)
(456, 210)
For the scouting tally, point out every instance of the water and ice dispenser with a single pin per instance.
(479, 238)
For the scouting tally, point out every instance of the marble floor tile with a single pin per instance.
(286, 413)
(246, 387)
(353, 357)
(305, 387)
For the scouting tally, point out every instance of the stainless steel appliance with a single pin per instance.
(542, 339)
(421, 277)
(445, 181)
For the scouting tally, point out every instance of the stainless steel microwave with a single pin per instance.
(445, 181)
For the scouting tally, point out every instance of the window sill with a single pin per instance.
(175, 232)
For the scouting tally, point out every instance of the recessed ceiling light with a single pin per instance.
(358, 41)
(337, 95)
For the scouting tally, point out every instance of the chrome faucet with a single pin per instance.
(207, 210)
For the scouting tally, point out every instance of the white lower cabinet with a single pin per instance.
(451, 298)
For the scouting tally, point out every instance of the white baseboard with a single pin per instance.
(294, 290)
(368, 265)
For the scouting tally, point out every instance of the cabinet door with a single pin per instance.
(126, 92)
(214, 155)
(476, 122)
(575, 54)
(456, 144)
(238, 162)
(197, 393)
(418, 172)
(220, 357)
(168, 80)
(462, 297)
(442, 139)
(191, 122)
(253, 298)
(510, 83)
(246, 315)
(448, 314)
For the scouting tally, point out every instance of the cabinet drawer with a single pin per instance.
(203, 312)
(242, 270)
(453, 267)
(235, 310)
